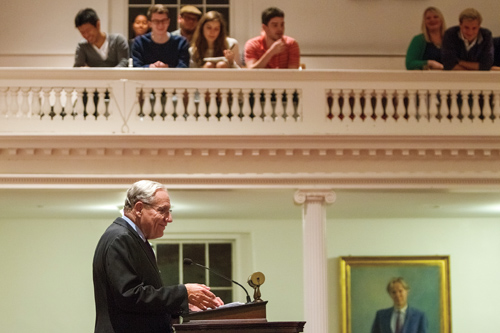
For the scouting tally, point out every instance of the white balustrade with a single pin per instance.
(257, 102)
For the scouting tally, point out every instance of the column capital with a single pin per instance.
(302, 196)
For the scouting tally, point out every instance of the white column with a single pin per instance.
(315, 263)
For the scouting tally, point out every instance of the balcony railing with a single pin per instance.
(243, 102)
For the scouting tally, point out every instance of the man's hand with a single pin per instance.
(277, 47)
(200, 297)
(158, 64)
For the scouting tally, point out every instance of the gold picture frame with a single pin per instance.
(363, 289)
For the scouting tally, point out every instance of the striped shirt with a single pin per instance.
(256, 47)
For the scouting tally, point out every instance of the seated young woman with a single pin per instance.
(210, 46)
(140, 26)
(424, 51)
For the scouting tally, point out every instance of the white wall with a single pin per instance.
(472, 245)
(46, 269)
(43, 33)
(46, 265)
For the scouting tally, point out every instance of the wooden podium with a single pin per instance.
(246, 318)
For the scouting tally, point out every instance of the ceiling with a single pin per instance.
(253, 203)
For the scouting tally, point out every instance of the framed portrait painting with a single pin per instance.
(369, 292)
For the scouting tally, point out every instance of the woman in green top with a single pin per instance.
(424, 51)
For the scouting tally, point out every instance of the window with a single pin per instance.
(136, 7)
(215, 255)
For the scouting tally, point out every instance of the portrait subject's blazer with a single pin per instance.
(415, 321)
(128, 290)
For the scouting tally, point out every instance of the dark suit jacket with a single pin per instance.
(415, 321)
(129, 294)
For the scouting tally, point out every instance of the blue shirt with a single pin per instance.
(135, 227)
(174, 53)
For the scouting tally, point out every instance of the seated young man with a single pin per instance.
(98, 49)
(160, 49)
(272, 49)
(467, 46)
(188, 20)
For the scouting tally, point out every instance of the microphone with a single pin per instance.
(188, 262)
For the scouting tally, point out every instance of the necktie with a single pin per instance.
(398, 322)
(150, 249)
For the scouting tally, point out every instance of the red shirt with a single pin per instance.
(256, 47)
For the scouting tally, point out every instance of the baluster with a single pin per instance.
(487, 112)
(46, 109)
(356, 108)
(3, 101)
(466, 110)
(140, 103)
(14, 103)
(297, 101)
(191, 106)
(212, 106)
(107, 102)
(454, 111)
(433, 108)
(232, 100)
(169, 104)
(224, 104)
(379, 108)
(369, 110)
(67, 101)
(35, 102)
(390, 110)
(496, 105)
(78, 105)
(329, 104)
(422, 110)
(157, 102)
(247, 110)
(267, 110)
(476, 110)
(163, 103)
(400, 110)
(24, 111)
(444, 110)
(202, 106)
(335, 103)
(412, 107)
(149, 102)
(101, 95)
(281, 115)
(57, 108)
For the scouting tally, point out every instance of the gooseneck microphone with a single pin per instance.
(188, 262)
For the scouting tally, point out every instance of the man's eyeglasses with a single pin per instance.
(160, 210)
(156, 22)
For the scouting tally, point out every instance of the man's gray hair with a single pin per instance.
(143, 190)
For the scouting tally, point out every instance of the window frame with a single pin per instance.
(241, 267)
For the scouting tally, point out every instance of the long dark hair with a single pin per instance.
(200, 44)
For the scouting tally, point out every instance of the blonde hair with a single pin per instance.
(424, 27)
(470, 14)
(397, 280)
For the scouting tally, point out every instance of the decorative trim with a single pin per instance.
(317, 182)
(301, 196)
